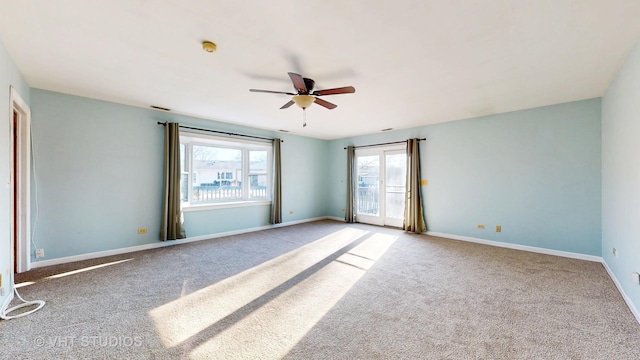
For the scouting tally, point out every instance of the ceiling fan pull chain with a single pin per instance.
(304, 117)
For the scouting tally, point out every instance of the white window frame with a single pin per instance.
(189, 139)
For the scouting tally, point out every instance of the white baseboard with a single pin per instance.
(626, 298)
(159, 244)
(534, 249)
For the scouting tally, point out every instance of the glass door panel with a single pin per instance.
(368, 187)
(381, 175)
(396, 177)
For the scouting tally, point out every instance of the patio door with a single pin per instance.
(381, 174)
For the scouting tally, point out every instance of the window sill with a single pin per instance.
(226, 205)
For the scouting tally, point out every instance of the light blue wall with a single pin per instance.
(621, 175)
(534, 172)
(99, 176)
(305, 186)
(9, 76)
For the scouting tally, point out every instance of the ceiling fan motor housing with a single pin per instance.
(309, 83)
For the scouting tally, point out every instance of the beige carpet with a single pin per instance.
(324, 290)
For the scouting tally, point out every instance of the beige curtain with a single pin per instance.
(413, 217)
(276, 201)
(171, 228)
(351, 186)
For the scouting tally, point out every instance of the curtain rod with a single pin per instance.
(388, 143)
(220, 132)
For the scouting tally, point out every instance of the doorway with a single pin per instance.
(20, 180)
(381, 175)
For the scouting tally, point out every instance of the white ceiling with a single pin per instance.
(412, 62)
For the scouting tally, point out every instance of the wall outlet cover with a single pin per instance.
(635, 277)
(39, 253)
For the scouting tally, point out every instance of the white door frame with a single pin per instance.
(22, 180)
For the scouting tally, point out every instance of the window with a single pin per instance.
(223, 171)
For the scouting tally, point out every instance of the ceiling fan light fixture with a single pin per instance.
(208, 46)
(303, 101)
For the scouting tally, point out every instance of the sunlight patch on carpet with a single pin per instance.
(89, 268)
(23, 284)
(73, 272)
(274, 329)
(187, 317)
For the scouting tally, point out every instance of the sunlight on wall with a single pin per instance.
(187, 316)
(275, 328)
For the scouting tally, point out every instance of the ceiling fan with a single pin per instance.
(305, 95)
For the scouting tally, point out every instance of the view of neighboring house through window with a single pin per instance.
(258, 172)
(217, 170)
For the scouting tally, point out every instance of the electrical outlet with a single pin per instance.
(39, 253)
(614, 251)
(142, 230)
(498, 228)
(635, 277)
(481, 226)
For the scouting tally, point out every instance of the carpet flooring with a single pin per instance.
(323, 290)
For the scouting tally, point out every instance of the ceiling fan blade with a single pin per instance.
(298, 83)
(287, 104)
(272, 92)
(341, 90)
(326, 104)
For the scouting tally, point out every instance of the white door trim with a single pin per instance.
(22, 179)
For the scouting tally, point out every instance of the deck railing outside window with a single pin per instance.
(209, 193)
(368, 199)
